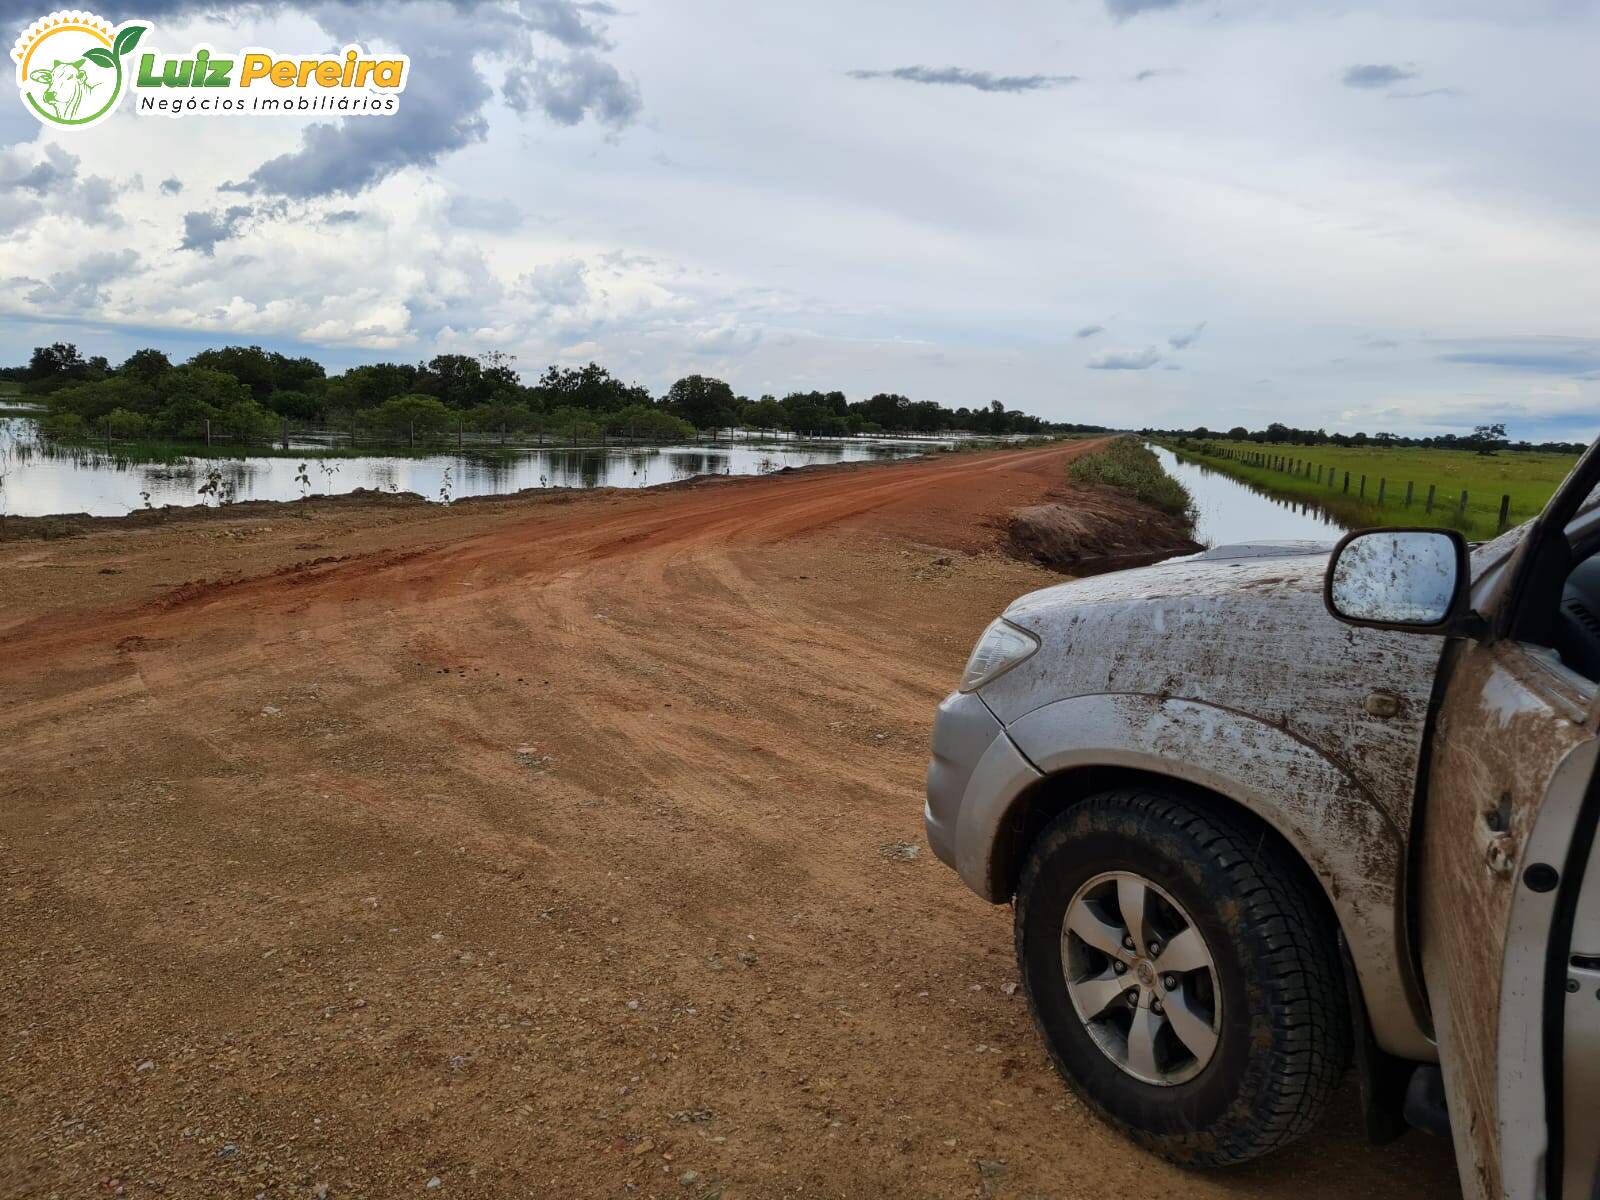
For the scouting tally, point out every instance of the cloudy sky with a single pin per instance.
(1358, 216)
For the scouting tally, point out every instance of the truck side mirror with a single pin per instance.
(1410, 579)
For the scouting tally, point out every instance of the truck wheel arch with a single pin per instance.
(1342, 837)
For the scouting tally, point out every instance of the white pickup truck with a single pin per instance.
(1267, 813)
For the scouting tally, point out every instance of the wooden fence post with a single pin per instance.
(1462, 511)
(286, 433)
(413, 435)
(458, 433)
(1363, 493)
(1429, 508)
(208, 431)
(1382, 486)
(1347, 483)
(108, 435)
(1505, 513)
(1409, 486)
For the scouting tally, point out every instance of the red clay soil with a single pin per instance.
(565, 846)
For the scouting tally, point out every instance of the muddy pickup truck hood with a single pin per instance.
(1244, 629)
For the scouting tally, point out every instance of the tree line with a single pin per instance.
(1484, 439)
(246, 392)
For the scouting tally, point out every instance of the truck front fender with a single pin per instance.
(1350, 845)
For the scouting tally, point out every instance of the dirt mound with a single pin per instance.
(1099, 529)
(61, 525)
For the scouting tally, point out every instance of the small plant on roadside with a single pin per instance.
(217, 489)
(145, 496)
(303, 478)
(329, 470)
(444, 488)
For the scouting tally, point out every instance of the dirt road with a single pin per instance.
(552, 847)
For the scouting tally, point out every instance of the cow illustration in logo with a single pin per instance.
(67, 86)
(70, 67)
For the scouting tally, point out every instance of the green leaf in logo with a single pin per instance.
(100, 57)
(128, 39)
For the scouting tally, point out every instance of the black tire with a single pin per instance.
(1284, 1037)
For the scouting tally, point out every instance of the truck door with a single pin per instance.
(1506, 825)
(1513, 757)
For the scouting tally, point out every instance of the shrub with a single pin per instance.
(1128, 464)
(127, 425)
(640, 421)
(92, 401)
(246, 421)
(402, 416)
(301, 406)
(568, 422)
(63, 426)
(499, 414)
(186, 417)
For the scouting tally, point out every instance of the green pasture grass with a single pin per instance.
(1529, 479)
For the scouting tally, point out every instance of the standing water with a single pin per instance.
(40, 479)
(1230, 511)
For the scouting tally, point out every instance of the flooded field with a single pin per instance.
(42, 480)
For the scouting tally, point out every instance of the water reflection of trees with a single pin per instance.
(478, 474)
(691, 463)
(576, 468)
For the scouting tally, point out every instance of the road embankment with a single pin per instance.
(1124, 511)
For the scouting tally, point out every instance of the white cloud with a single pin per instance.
(766, 217)
(1125, 360)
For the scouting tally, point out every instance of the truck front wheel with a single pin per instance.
(1186, 980)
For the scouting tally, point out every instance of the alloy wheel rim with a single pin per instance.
(1141, 978)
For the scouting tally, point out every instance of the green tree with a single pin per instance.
(569, 422)
(301, 406)
(55, 366)
(765, 413)
(246, 421)
(305, 375)
(1487, 439)
(703, 402)
(147, 365)
(214, 388)
(645, 421)
(91, 401)
(57, 362)
(366, 387)
(886, 409)
(456, 379)
(590, 387)
(500, 373)
(187, 416)
(250, 365)
(426, 416)
(500, 414)
(127, 425)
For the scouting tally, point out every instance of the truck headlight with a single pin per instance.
(1002, 646)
